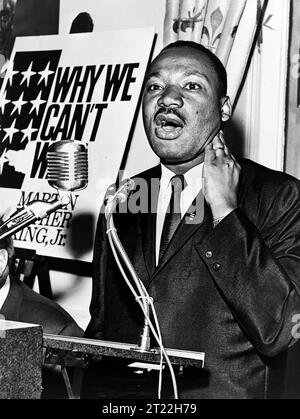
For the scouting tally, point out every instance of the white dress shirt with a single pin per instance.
(4, 292)
(193, 180)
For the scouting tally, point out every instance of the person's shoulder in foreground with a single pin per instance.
(21, 304)
(25, 305)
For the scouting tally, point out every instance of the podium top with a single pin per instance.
(96, 349)
(10, 325)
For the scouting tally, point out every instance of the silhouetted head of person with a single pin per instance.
(4, 18)
(82, 23)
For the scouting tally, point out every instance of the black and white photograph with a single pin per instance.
(149, 203)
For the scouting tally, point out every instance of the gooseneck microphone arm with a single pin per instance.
(111, 204)
(141, 295)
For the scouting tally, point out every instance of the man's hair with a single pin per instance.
(4, 12)
(217, 65)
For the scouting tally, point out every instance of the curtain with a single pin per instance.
(226, 27)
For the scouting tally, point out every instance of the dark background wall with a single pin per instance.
(36, 17)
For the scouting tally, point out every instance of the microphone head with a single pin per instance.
(127, 186)
(67, 165)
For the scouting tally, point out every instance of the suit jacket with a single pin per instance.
(24, 305)
(231, 292)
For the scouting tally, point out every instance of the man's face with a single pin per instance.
(181, 105)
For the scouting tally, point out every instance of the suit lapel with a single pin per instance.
(198, 220)
(148, 228)
(148, 221)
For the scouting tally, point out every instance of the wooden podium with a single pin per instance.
(21, 357)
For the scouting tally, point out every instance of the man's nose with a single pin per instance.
(170, 97)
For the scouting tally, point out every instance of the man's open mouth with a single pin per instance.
(168, 126)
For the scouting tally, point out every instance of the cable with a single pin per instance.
(127, 261)
(150, 302)
(160, 337)
(144, 296)
(157, 336)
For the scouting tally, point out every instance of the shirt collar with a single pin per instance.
(193, 177)
(166, 176)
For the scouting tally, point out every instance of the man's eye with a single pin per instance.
(154, 87)
(192, 86)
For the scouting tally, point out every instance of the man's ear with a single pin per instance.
(3, 260)
(226, 108)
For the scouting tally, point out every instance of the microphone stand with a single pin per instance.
(112, 201)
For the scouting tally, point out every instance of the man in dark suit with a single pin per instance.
(225, 275)
(25, 305)
(21, 304)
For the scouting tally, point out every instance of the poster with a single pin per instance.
(82, 87)
(113, 15)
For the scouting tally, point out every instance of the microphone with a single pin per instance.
(67, 165)
(124, 191)
(67, 171)
(121, 195)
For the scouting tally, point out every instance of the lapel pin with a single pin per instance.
(192, 216)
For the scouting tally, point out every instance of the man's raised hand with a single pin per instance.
(221, 175)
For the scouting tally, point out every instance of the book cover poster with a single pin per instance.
(82, 87)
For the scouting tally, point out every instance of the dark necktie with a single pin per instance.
(173, 215)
